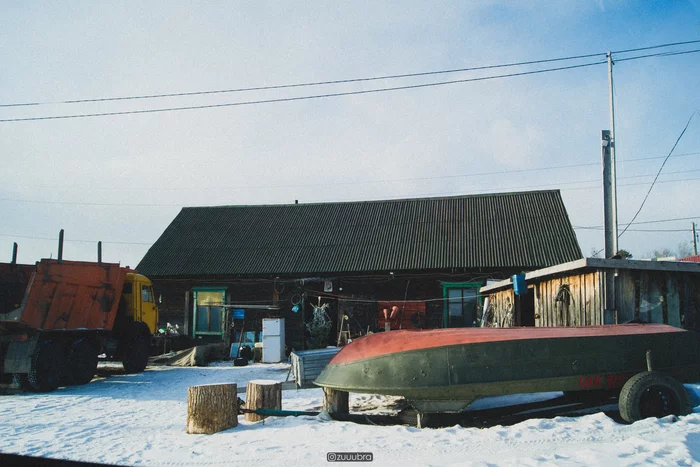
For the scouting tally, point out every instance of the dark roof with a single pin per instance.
(526, 230)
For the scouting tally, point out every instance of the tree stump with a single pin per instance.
(262, 394)
(335, 401)
(211, 408)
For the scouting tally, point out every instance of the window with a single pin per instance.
(208, 310)
(146, 294)
(461, 304)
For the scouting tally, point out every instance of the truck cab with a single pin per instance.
(138, 294)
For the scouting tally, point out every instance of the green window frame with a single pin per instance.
(197, 312)
(448, 289)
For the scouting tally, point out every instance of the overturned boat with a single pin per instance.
(445, 370)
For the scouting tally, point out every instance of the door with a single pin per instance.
(148, 310)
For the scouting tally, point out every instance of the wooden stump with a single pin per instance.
(335, 401)
(262, 394)
(211, 408)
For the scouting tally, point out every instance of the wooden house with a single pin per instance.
(592, 291)
(217, 266)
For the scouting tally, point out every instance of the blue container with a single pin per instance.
(519, 286)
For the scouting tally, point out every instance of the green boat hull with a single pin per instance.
(450, 377)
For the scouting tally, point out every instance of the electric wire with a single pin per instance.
(342, 81)
(424, 195)
(658, 173)
(660, 54)
(75, 240)
(368, 182)
(300, 98)
(639, 49)
(299, 85)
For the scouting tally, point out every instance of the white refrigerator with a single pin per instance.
(273, 340)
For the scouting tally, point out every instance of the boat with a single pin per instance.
(445, 370)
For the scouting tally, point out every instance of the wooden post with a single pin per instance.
(211, 408)
(262, 394)
(336, 402)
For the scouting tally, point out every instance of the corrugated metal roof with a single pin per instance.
(510, 230)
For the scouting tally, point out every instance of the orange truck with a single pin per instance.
(58, 317)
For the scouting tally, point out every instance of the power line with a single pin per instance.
(656, 47)
(368, 182)
(495, 190)
(660, 54)
(637, 230)
(342, 81)
(300, 98)
(658, 221)
(151, 243)
(659, 173)
(74, 241)
(299, 85)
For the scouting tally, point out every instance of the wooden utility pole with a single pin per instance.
(610, 202)
(611, 247)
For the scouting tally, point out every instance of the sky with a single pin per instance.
(121, 179)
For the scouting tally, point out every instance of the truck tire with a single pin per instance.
(652, 394)
(136, 348)
(81, 363)
(45, 372)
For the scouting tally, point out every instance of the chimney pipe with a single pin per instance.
(99, 253)
(60, 246)
(14, 253)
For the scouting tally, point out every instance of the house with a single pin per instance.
(594, 291)
(428, 257)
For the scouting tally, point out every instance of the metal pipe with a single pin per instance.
(283, 413)
(60, 246)
(14, 253)
(99, 252)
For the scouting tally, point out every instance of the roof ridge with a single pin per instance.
(426, 198)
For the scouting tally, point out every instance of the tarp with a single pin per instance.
(196, 356)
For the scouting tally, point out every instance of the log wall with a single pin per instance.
(578, 300)
(564, 301)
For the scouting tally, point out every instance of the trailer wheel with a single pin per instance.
(45, 372)
(653, 394)
(81, 363)
(136, 348)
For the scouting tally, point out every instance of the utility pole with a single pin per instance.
(610, 205)
(608, 196)
(611, 249)
(695, 241)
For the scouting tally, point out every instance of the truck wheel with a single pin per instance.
(45, 372)
(136, 348)
(81, 363)
(652, 394)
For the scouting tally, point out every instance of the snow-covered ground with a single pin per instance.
(140, 420)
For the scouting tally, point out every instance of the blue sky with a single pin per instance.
(122, 179)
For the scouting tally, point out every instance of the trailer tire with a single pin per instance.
(45, 372)
(653, 394)
(81, 363)
(136, 348)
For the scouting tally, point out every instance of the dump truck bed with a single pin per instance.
(60, 296)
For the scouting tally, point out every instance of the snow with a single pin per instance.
(140, 420)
